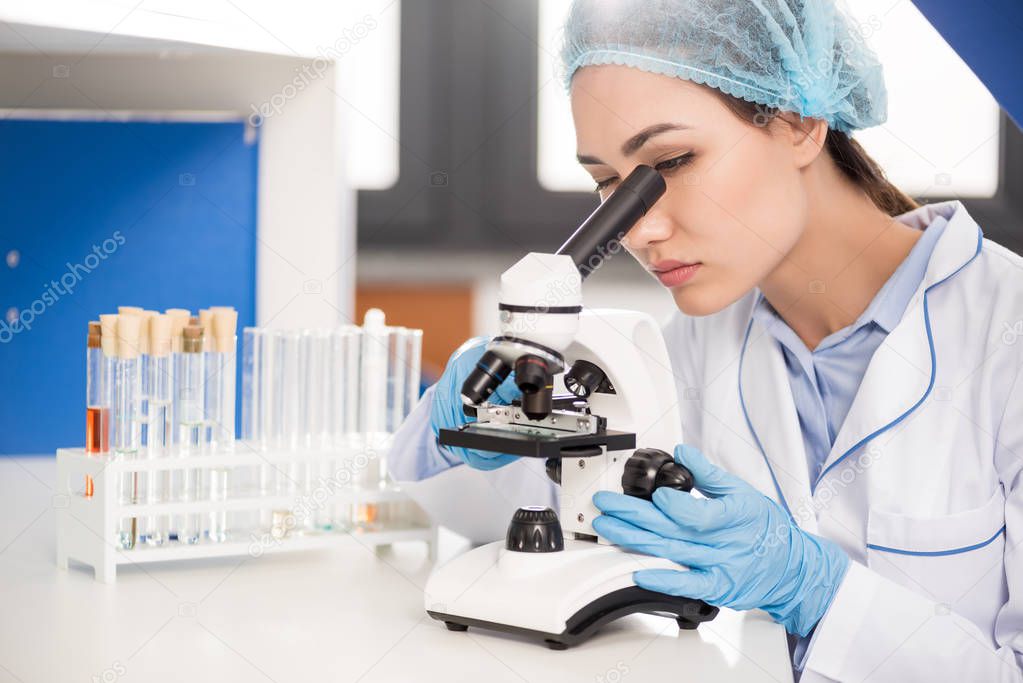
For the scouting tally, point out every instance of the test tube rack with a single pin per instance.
(88, 526)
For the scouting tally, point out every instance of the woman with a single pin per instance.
(845, 358)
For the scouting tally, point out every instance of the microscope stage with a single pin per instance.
(540, 444)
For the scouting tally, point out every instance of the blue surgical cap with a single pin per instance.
(802, 56)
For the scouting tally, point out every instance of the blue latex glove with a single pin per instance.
(446, 411)
(743, 550)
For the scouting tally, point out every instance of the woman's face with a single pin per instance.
(734, 202)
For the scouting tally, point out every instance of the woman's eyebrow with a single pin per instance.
(633, 144)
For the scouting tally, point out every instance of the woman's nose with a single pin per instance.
(652, 228)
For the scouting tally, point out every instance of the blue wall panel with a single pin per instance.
(987, 36)
(101, 214)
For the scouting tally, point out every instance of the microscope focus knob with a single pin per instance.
(649, 469)
(535, 529)
(553, 468)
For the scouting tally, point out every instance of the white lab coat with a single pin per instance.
(924, 485)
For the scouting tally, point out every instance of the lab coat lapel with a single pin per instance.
(766, 400)
(900, 375)
(898, 379)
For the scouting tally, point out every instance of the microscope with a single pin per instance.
(595, 383)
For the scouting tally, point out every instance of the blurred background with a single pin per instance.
(306, 161)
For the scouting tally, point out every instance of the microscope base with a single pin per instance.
(559, 598)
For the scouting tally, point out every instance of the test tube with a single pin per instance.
(97, 411)
(289, 401)
(374, 373)
(374, 380)
(155, 528)
(220, 395)
(147, 528)
(97, 424)
(315, 351)
(161, 384)
(178, 321)
(216, 524)
(283, 411)
(373, 413)
(403, 393)
(108, 372)
(140, 413)
(353, 382)
(397, 379)
(256, 380)
(270, 408)
(269, 392)
(190, 376)
(225, 331)
(251, 432)
(142, 402)
(252, 386)
(415, 371)
(137, 312)
(336, 408)
(176, 476)
(338, 514)
(126, 432)
(397, 376)
(347, 407)
(316, 382)
(210, 384)
(210, 410)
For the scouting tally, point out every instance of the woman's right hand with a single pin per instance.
(446, 411)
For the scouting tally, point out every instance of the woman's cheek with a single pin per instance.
(740, 222)
(762, 197)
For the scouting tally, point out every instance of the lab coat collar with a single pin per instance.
(890, 303)
(959, 243)
(898, 379)
(901, 372)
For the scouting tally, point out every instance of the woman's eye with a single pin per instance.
(677, 162)
(669, 165)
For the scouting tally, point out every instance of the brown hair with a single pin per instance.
(850, 158)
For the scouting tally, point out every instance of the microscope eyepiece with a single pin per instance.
(599, 236)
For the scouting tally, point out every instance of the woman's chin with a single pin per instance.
(699, 301)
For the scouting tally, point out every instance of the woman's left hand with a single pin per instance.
(743, 550)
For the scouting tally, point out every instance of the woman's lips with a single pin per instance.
(673, 273)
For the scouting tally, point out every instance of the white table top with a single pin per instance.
(340, 613)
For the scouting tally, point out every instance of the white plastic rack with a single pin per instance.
(322, 503)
